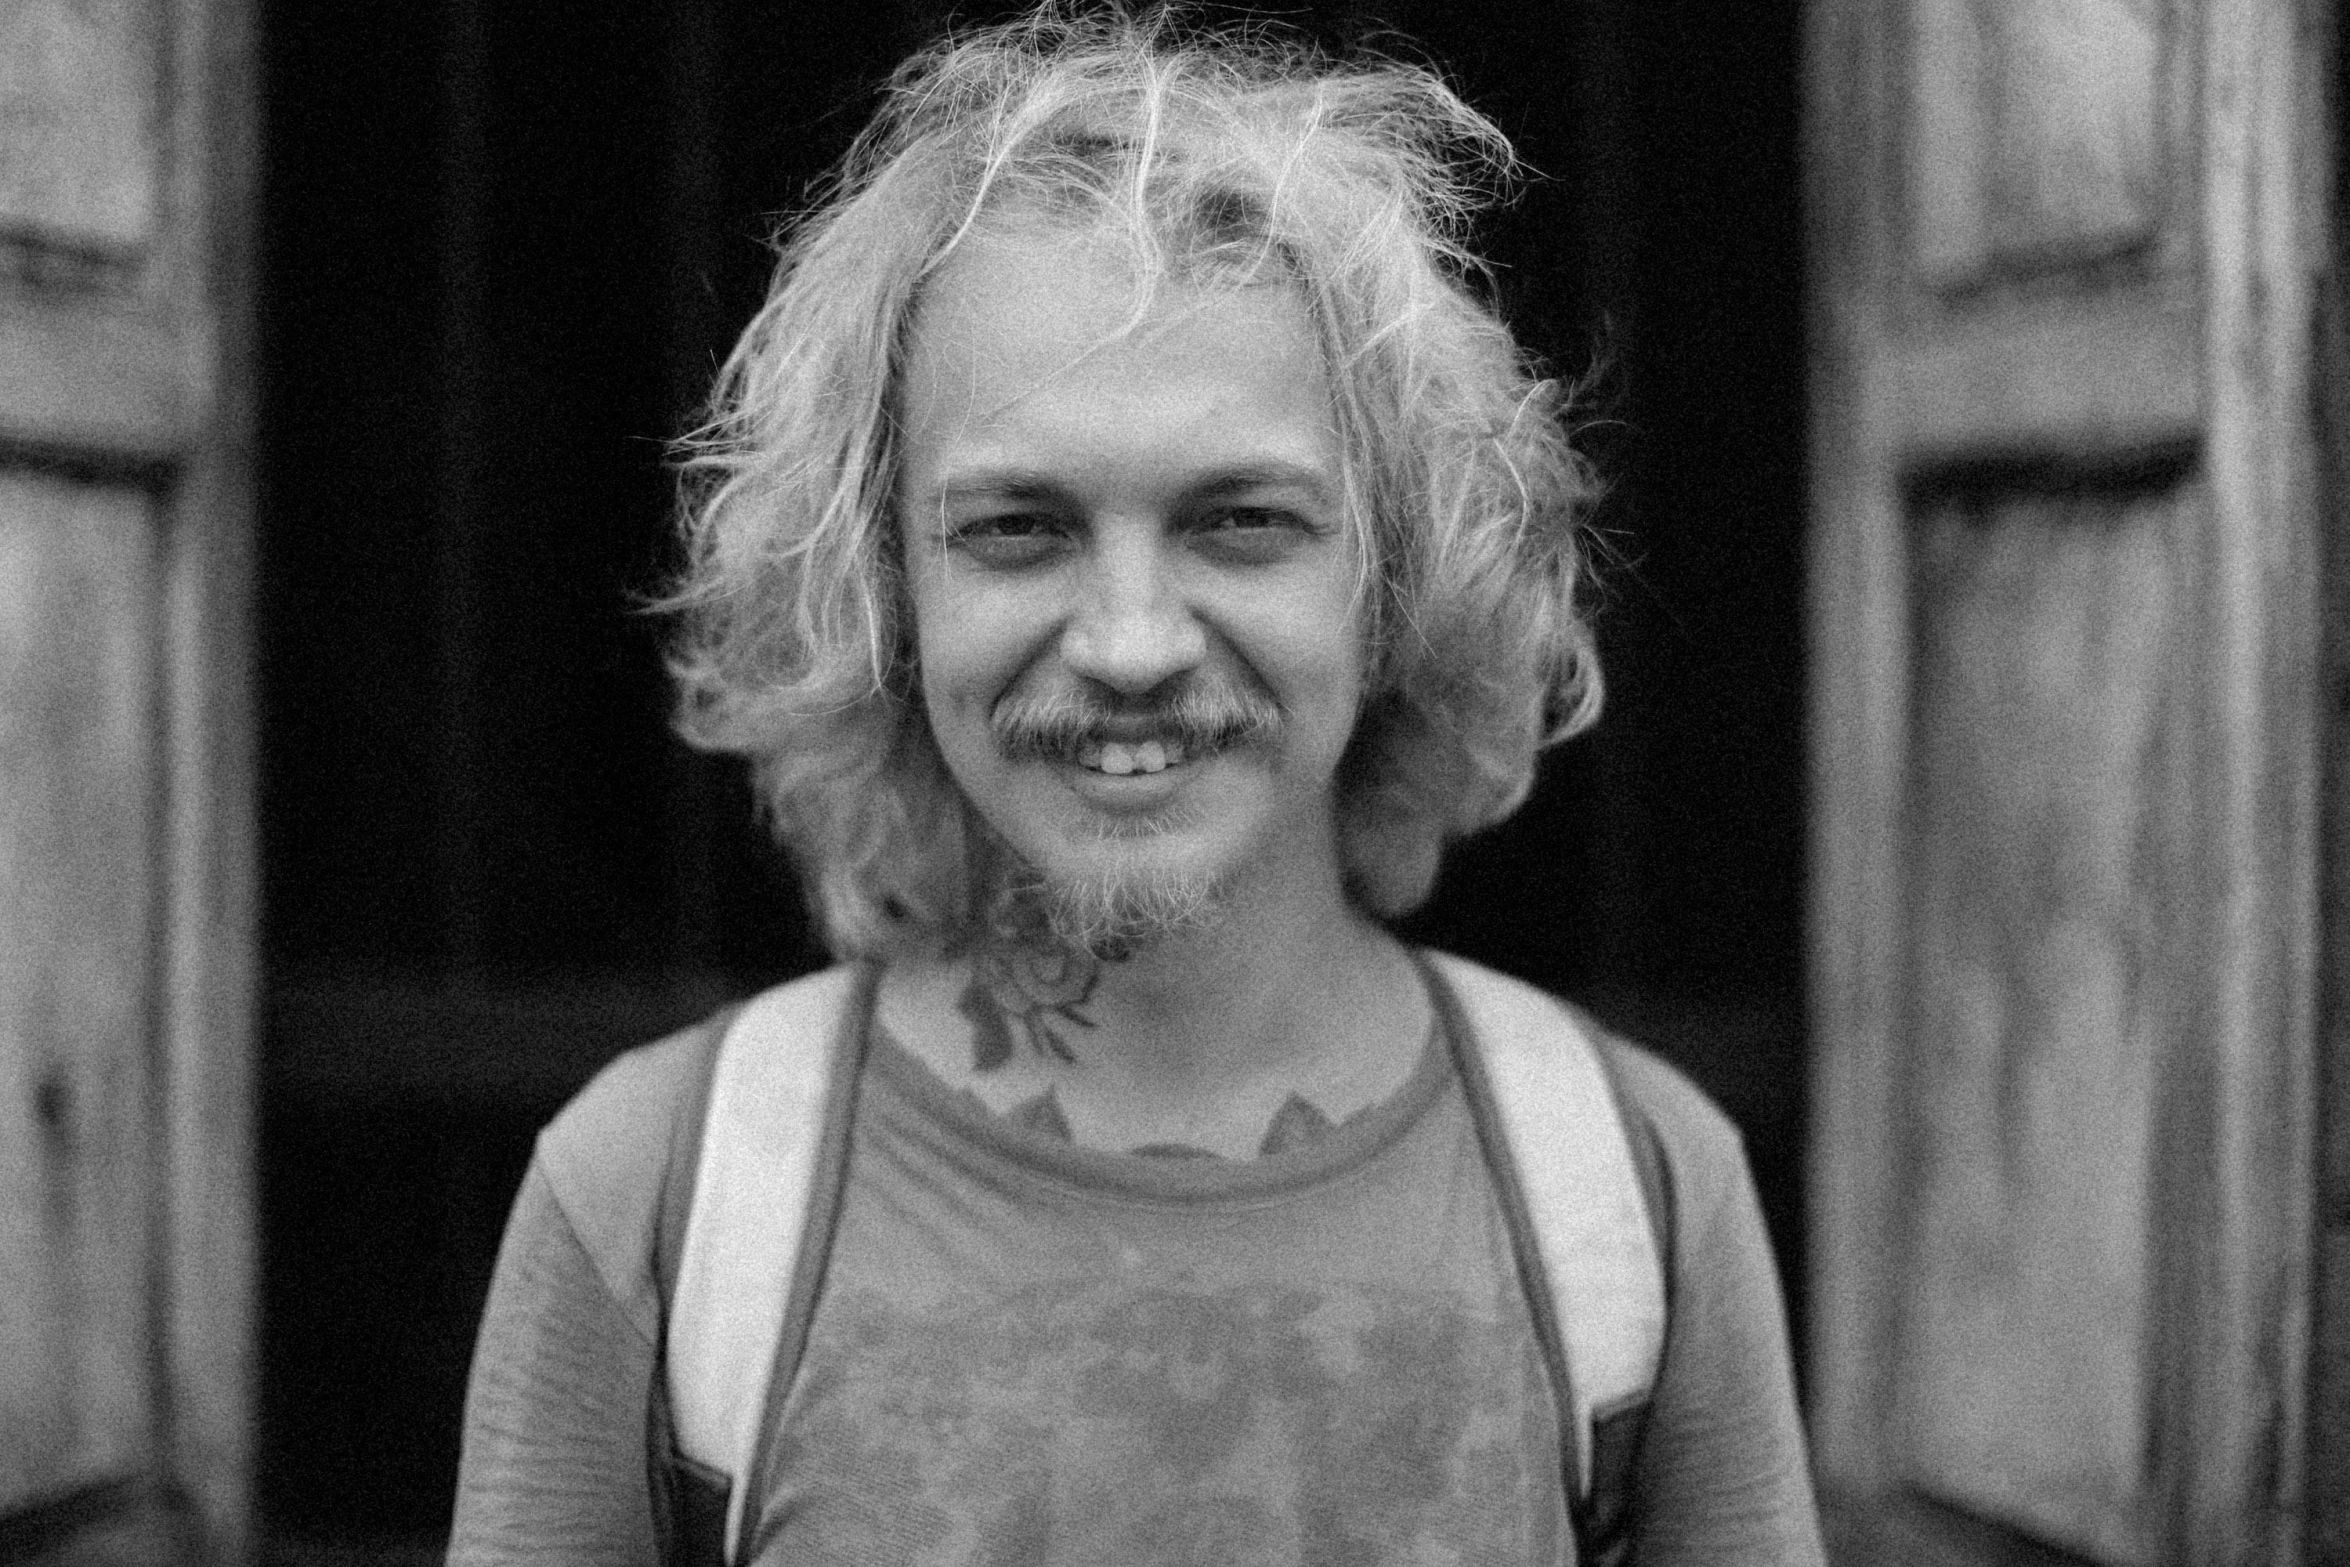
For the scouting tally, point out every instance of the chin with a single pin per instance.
(1130, 902)
(1114, 915)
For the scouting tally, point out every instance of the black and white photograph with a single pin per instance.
(1173, 783)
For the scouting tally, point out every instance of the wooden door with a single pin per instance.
(125, 1216)
(2064, 638)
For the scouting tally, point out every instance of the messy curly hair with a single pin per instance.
(1354, 180)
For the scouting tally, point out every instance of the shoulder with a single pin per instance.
(613, 1132)
(1700, 1145)
(615, 1121)
(606, 1155)
(1655, 1092)
(612, 1156)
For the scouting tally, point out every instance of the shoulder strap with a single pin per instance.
(685, 1157)
(1648, 1154)
(758, 1182)
(1539, 1087)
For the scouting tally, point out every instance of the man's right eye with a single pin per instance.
(1007, 538)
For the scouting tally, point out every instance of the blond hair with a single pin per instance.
(1357, 179)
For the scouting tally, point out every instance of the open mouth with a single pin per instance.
(1119, 759)
(1133, 739)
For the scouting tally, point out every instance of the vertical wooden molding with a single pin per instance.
(2239, 1489)
(2325, 1450)
(1858, 631)
(209, 842)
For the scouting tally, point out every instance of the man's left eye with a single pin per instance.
(1227, 519)
(1250, 532)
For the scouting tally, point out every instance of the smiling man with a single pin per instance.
(1128, 549)
(1133, 589)
(1135, 603)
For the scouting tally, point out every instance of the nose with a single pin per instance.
(1131, 628)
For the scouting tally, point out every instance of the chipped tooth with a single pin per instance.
(1089, 753)
(1117, 760)
(1150, 757)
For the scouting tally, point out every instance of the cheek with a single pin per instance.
(1324, 660)
(950, 696)
(933, 622)
(968, 648)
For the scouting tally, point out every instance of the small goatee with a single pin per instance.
(1115, 914)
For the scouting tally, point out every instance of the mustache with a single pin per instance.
(1201, 719)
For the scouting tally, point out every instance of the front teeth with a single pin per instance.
(1118, 759)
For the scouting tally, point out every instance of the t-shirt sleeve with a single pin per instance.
(557, 1447)
(1723, 1476)
(554, 1461)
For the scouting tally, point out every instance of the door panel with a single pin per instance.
(2038, 133)
(78, 157)
(77, 710)
(2048, 816)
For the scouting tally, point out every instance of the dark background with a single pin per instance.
(507, 241)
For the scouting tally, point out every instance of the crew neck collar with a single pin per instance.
(1160, 1177)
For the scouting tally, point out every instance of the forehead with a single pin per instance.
(1045, 344)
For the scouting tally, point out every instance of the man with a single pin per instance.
(1127, 550)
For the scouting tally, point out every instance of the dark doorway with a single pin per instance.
(506, 242)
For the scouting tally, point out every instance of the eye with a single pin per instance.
(1008, 540)
(1235, 519)
(1249, 535)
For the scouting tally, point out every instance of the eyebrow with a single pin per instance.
(1272, 474)
(982, 483)
(1022, 484)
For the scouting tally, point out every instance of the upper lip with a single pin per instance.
(1190, 728)
(1130, 731)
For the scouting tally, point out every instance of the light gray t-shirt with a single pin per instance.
(1346, 1384)
(1032, 1353)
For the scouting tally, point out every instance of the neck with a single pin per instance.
(1245, 995)
(1196, 1036)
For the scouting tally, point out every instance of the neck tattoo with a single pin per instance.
(1027, 994)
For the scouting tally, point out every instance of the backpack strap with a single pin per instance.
(766, 1188)
(1594, 1274)
(1585, 1209)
